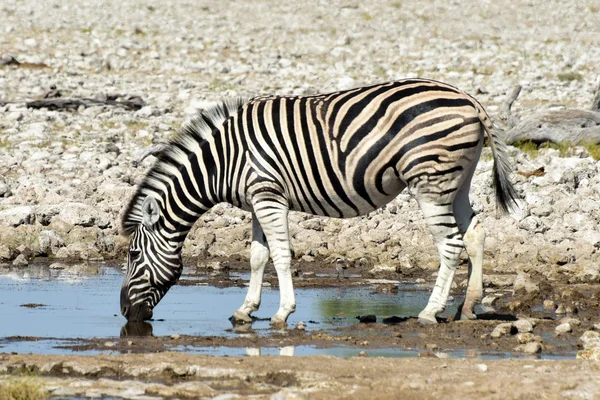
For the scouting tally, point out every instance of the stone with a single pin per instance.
(523, 282)
(301, 326)
(590, 340)
(367, 319)
(6, 253)
(503, 329)
(78, 214)
(529, 348)
(525, 338)
(589, 354)
(50, 242)
(549, 305)
(4, 188)
(20, 261)
(563, 328)
(523, 326)
(482, 367)
(20, 215)
(30, 42)
(571, 321)
(489, 300)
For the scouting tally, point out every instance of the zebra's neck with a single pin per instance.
(193, 181)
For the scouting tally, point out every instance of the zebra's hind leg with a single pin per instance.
(272, 214)
(474, 239)
(259, 256)
(448, 238)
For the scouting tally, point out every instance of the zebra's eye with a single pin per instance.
(133, 254)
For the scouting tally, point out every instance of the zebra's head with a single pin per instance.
(153, 265)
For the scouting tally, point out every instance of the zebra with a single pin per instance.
(341, 154)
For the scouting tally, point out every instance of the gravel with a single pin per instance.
(65, 176)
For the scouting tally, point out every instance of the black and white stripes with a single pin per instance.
(341, 154)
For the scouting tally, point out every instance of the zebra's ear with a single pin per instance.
(150, 212)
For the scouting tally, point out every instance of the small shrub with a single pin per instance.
(532, 149)
(569, 76)
(21, 389)
(594, 150)
(528, 147)
(564, 148)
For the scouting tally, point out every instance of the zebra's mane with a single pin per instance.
(195, 132)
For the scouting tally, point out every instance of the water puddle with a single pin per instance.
(45, 310)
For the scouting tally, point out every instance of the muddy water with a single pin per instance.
(54, 307)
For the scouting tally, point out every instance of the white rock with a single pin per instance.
(21, 215)
(500, 330)
(20, 261)
(529, 348)
(30, 42)
(563, 328)
(523, 325)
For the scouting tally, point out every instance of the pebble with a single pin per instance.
(482, 367)
(175, 336)
(506, 328)
(523, 325)
(301, 326)
(563, 328)
(549, 305)
(20, 261)
(529, 348)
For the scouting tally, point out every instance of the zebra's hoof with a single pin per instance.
(425, 319)
(239, 317)
(278, 324)
(467, 316)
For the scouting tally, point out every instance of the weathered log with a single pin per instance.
(574, 126)
(73, 103)
(505, 109)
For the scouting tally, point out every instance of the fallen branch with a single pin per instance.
(72, 103)
(570, 125)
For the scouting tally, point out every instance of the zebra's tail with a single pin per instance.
(506, 195)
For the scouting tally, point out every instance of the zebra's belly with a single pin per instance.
(347, 200)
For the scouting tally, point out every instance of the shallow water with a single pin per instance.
(45, 310)
(83, 302)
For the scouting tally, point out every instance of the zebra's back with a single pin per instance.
(347, 153)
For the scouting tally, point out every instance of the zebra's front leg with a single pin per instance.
(259, 256)
(448, 238)
(272, 214)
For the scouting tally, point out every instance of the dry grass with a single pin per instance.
(21, 389)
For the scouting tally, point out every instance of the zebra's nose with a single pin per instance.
(125, 304)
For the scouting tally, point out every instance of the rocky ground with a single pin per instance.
(65, 175)
(176, 375)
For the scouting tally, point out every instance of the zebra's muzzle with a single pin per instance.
(134, 313)
(137, 312)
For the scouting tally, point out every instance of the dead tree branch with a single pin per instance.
(73, 103)
(570, 125)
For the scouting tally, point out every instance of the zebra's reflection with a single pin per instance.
(287, 351)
